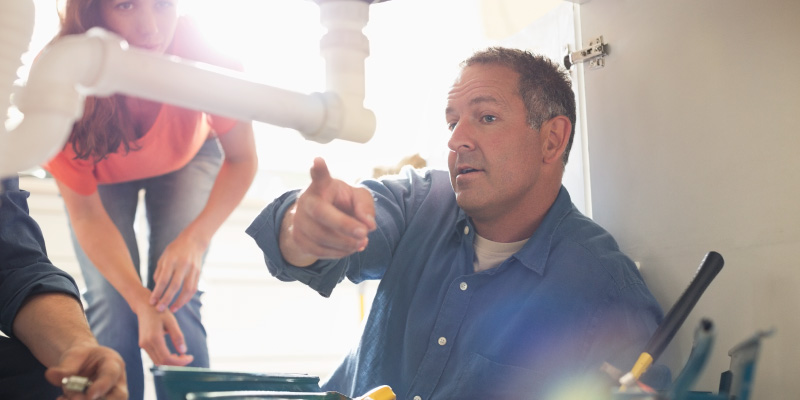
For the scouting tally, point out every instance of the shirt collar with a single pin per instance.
(535, 253)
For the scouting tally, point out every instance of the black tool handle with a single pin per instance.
(709, 268)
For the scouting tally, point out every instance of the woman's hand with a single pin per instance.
(178, 271)
(153, 325)
(179, 267)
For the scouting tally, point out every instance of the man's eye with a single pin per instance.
(451, 126)
(124, 6)
(165, 4)
(489, 118)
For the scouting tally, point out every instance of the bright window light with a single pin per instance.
(277, 40)
(415, 47)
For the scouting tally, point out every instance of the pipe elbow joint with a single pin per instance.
(113, 49)
(58, 78)
(345, 118)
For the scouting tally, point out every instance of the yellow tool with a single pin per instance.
(379, 393)
(709, 268)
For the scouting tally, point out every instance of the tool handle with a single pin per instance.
(709, 268)
(379, 393)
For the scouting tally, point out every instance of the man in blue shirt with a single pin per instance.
(48, 336)
(493, 285)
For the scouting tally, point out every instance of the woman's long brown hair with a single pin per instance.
(105, 126)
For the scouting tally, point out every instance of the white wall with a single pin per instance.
(693, 134)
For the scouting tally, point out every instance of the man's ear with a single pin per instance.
(557, 131)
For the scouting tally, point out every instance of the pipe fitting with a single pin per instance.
(345, 118)
(100, 63)
(58, 78)
(345, 48)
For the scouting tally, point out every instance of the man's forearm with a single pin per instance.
(50, 323)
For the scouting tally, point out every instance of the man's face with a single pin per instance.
(495, 157)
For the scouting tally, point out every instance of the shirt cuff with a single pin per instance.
(321, 276)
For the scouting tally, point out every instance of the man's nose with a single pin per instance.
(461, 137)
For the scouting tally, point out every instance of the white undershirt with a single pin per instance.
(489, 254)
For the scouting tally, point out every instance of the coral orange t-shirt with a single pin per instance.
(172, 141)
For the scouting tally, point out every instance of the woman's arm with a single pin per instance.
(179, 266)
(105, 247)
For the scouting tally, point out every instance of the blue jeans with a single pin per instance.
(171, 202)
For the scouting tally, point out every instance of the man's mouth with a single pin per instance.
(466, 170)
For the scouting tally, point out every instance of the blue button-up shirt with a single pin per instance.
(568, 301)
(25, 269)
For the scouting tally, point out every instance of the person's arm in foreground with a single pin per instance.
(179, 266)
(103, 243)
(54, 328)
(330, 219)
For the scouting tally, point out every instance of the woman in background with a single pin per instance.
(125, 145)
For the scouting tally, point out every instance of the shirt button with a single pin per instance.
(466, 230)
(442, 341)
(417, 398)
(463, 286)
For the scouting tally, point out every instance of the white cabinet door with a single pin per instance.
(692, 135)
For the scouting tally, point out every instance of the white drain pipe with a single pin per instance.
(100, 63)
